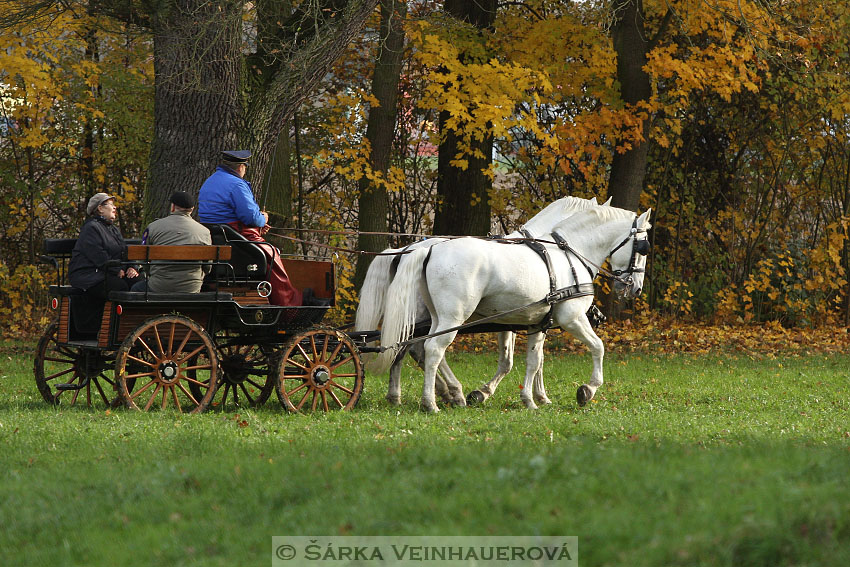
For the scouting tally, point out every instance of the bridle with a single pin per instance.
(639, 248)
(626, 277)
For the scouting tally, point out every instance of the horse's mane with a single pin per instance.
(559, 206)
(603, 214)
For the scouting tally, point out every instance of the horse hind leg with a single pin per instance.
(435, 350)
(506, 360)
(540, 397)
(417, 353)
(533, 367)
(394, 384)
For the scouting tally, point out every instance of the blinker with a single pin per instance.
(642, 247)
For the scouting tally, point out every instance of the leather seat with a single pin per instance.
(247, 258)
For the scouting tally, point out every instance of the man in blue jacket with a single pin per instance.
(226, 198)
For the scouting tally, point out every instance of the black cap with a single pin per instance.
(183, 200)
(236, 156)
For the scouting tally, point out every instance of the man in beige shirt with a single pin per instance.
(177, 228)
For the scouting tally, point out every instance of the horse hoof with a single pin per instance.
(584, 394)
(475, 397)
(428, 408)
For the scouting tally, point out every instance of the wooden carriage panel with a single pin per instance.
(246, 295)
(178, 252)
(133, 317)
(103, 334)
(317, 274)
(64, 320)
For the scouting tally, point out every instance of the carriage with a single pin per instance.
(225, 346)
(181, 349)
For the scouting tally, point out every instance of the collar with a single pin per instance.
(226, 169)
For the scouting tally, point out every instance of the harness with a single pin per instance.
(639, 247)
(557, 295)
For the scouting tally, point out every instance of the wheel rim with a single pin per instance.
(60, 364)
(168, 361)
(319, 370)
(246, 377)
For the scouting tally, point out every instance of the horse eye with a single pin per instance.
(642, 247)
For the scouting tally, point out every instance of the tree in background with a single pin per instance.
(75, 115)
(465, 158)
(373, 202)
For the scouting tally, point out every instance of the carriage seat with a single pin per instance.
(247, 259)
(151, 297)
(64, 290)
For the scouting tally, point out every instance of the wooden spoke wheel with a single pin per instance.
(319, 369)
(60, 364)
(168, 361)
(246, 373)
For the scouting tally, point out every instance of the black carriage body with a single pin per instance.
(228, 330)
(229, 300)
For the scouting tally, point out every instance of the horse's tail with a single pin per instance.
(400, 307)
(371, 307)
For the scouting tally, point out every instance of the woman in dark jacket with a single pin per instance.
(99, 242)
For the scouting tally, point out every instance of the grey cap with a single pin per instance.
(236, 156)
(96, 201)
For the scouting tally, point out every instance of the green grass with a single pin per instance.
(680, 461)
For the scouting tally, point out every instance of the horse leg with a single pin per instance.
(506, 361)
(580, 328)
(452, 389)
(417, 353)
(533, 366)
(394, 385)
(435, 350)
(535, 341)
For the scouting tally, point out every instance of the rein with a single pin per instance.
(638, 247)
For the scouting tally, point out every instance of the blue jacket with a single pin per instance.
(226, 197)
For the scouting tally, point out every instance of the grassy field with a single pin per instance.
(681, 460)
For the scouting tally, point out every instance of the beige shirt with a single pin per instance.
(177, 228)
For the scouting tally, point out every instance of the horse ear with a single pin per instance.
(608, 202)
(643, 220)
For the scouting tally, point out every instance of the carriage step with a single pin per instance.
(65, 387)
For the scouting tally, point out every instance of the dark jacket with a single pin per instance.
(98, 243)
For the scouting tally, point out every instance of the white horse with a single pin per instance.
(371, 310)
(469, 279)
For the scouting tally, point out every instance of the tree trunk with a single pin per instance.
(380, 131)
(277, 191)
(464, 194)
(628, 169)
(197, 107)
(208, 99)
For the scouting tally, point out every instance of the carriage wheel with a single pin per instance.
(60, 364)
(246, 373)
(167, 361)
(319, 369)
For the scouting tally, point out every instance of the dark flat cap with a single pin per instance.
(183, 200)
(236, 156)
